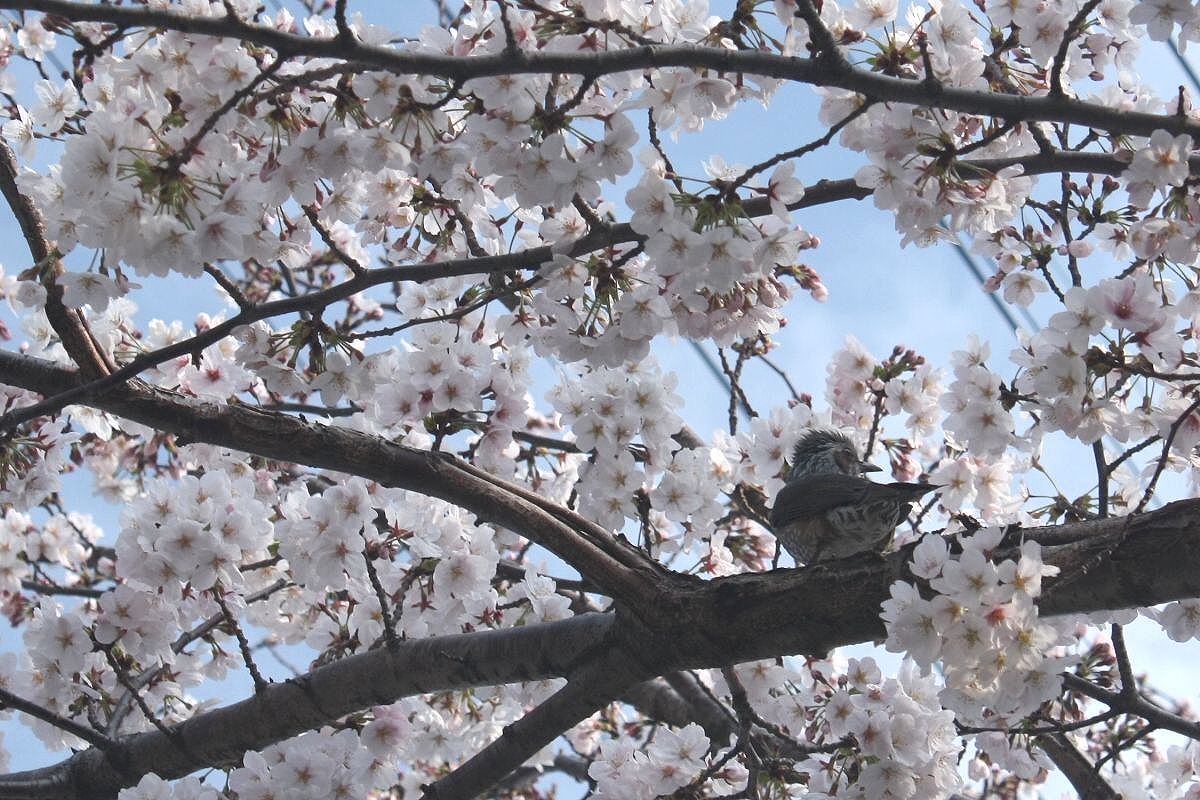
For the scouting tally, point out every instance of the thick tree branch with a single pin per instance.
(677, 621)
(67, 322)
(818, 71)
(599, 557)
(1076, 767)
(1135, 704)
(592, 689)
(377, 677)
(1147, 559)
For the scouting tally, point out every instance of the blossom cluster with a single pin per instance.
(329, 537)
(1174, 772)
(861, 733)
(62, 540)
(193, 531)
(905, 144)
(170, 184)
(32, 464)
(907, 742)
(607, 409)
(322, 764)
(623, 771)
(856, 382)
(981, 627)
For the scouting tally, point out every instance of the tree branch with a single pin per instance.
(598, 556)
(1076, 767)
(280, 710)
(93, 737)
(594, 687)
(748, 62)
(1134, 704)
(1151, 557)
(67, 323)
(665, 622)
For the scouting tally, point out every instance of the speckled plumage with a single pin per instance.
(828, 510)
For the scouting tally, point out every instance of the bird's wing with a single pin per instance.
(813, 495)
(912, 489)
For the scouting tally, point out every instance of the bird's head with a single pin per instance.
(821, 451)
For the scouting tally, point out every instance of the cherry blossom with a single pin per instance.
(422, 409)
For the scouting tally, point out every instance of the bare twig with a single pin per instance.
(92, 737)
(260, 683)
(1074, 31)
(1161, 464)
(1076, 767)
(828, 69)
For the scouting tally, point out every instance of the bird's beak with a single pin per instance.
(867, 466)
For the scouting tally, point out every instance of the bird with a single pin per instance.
(827, 510)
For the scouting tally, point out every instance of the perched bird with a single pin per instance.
(828, 510)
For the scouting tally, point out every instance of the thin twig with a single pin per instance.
(339, 19)
(385, 613)
(230, 288)
(783, 376)
(190, 147)
(243, 644)
(92, 737)
(1102, 473)
(804, 149)
(1124, 665)
(1074, 29)
(1064, 727)
(351, 263)
(1129, 453)
(1166, 449)
(133, 692)
(54, 589)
